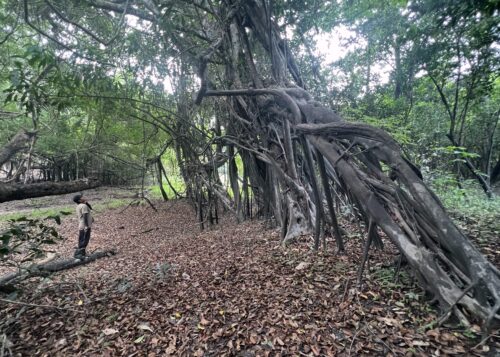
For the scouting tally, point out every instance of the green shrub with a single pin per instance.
(26, 239)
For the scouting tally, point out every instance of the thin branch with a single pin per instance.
(112, 6)
(354, 338)
(115, 98)
(11, 32)
(52, 38)
(44, 306)
(87, 31)
(445, 102)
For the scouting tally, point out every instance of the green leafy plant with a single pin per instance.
(458, 152)
(26, 239)
(466, 201)
(386, 278)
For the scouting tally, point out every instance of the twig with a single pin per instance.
(380, 340)
(150, 203)
(37, 305)
(4, 338)
(130, 204)
(484, 340)
(354, 338)
(345, 290)
(6, 344)
(354, 142)
(83, 292)
(149, 230)
(144, 232)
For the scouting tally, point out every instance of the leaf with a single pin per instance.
(56, 218)
(268, 343)
(145, 327)
(171, 349)
(389, 321)
(109, 331)
(302, 266)
(315, 350)
(5, 238)
(254, 339)
(139, 339)
(4, 251)
(198, 353)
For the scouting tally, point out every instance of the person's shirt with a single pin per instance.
(81, 210)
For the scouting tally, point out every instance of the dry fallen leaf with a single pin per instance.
(302, 266)
(109, 331)
(389, 321)
(241, 295)
(139, 339)
(145, 327)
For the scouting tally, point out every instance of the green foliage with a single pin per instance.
(105, 110)
(26, 239)
(467, 201)
(31, 77)
(176, 182)
(457, 153)
(383, 111)
(37, 214)
(56, 213)
(111, 204)
(386, 277)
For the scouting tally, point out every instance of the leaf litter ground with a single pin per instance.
(230, 290)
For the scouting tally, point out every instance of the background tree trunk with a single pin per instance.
(19, 142)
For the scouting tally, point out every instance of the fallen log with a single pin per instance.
(47, 268)
(11, 192)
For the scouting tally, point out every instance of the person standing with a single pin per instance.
(83, 212)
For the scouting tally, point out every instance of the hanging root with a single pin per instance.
(445, 261)
(368, 243)
(399, 203)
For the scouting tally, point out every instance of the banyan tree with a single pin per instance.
(230, 58)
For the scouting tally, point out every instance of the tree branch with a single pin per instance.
(87, 31)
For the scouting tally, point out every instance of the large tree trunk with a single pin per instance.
(274, 128)
(13, 192)
(448, 266)
(20, 141)
(495, 173)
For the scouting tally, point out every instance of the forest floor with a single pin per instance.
(230, 290)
